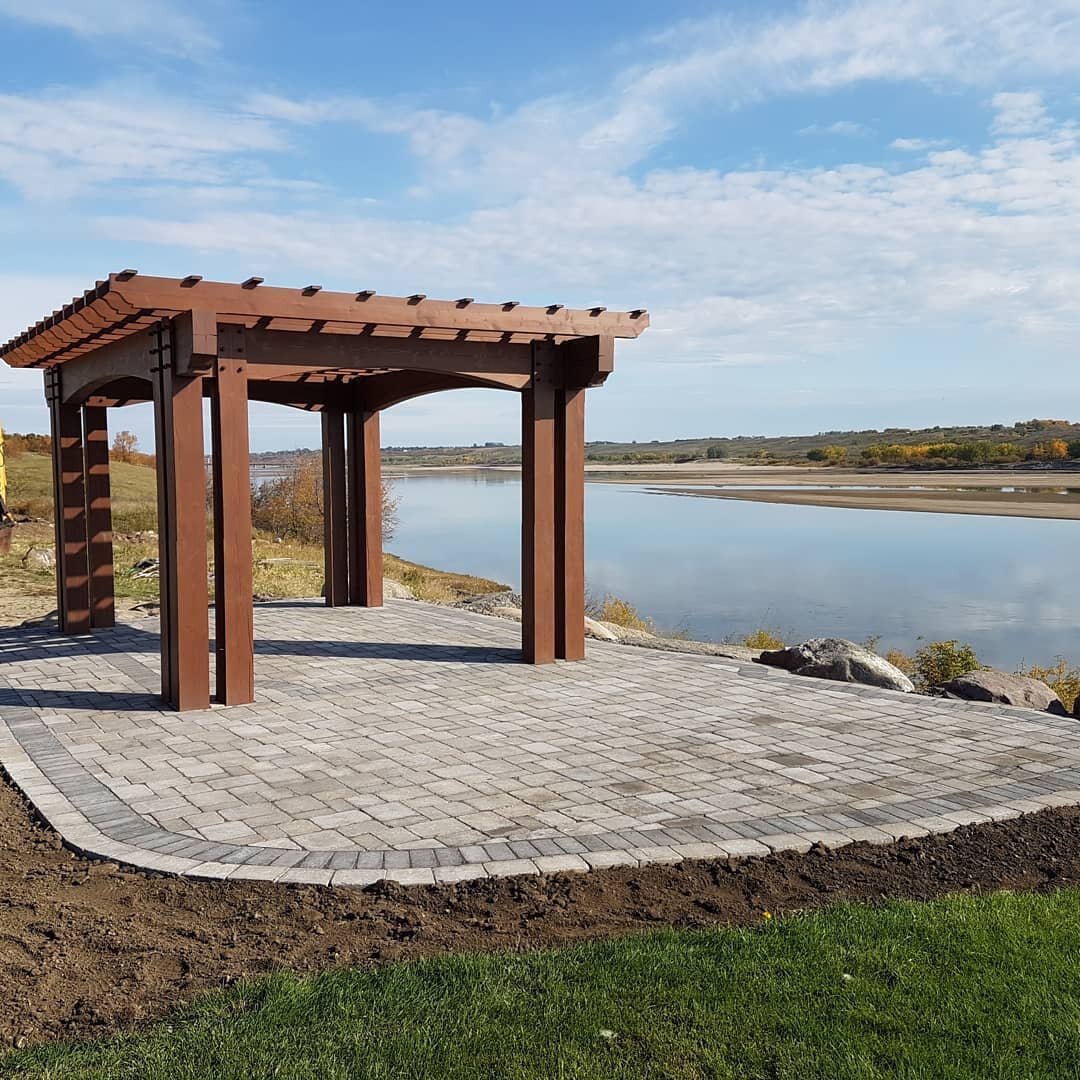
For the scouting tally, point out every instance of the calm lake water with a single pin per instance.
(719, 567)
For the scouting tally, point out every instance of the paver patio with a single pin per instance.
(410, 743)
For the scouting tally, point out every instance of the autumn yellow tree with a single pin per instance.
(124, 446)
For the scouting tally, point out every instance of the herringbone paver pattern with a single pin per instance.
(409, 742)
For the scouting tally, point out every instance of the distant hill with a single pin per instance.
(969, 444)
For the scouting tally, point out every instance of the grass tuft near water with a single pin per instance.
(960, 988)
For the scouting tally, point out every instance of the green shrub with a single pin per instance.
(939, 661)
(292, 506)
(763, 639)
(621, 612)
(902, 661)
(1063, 680)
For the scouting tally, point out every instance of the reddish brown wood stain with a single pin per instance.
(347, 355)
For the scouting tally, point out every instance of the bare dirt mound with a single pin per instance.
(89, 948)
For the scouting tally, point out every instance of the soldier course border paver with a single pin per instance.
(410, 743)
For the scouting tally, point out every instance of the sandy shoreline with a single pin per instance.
(942, 492)
(1001, 504)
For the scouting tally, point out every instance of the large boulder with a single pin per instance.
(487, 603)
(839, 660)
(396, 590)
(1002, 689)
(598, 630)
(39, 558)
(1076, 708)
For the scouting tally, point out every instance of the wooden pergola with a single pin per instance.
(174, 342)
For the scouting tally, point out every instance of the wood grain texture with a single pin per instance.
(335, 512)
(233, 620)
(72, 556)
(99, 516)
(538, 524)
(185, 660)
(365, 510)
(569, 569)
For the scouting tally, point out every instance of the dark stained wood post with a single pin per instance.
(335, 532)
(538, 509)
(181, 468)
(570, 524)
(99, 516)
(365, 510)
(69, 511)
(352, 353)
(233, 620)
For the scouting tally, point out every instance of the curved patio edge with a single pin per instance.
(94, 822)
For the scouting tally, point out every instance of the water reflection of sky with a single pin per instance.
(719, 567)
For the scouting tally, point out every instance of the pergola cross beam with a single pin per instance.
(176, 342)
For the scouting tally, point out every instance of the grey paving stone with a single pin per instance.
(413, 745)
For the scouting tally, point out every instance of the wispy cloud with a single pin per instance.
(740, 267)
(55, 145)
(1020, 113)
(154, 24)
(561, 199)
(848, 128)
(917, 145)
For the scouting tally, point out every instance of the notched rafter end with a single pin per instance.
(365, 294)
(126, 275)
(251, 283)
(190, 281)
(310, 290)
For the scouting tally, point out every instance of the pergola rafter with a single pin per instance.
(346, 355)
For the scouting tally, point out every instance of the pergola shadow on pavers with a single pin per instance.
(388, 757)
(174, 342)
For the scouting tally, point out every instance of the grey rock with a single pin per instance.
(1002, 689)
(39, 558)
(644, 640)
(628, 635)
(839, 660)
(598, 630)
(1076, 708)
(486, 603)
(397, 590)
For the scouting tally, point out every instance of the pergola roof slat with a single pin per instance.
(118, 305)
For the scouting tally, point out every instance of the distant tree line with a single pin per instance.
(976, 452)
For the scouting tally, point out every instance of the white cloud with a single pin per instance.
(827, 45)
(738, 268)
(917, 145)
(838, 127)
(719, 62)
(151, 24)
(557, 203)
(57, 144)
(1020, 113)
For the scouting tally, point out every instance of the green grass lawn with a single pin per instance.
(134, 491)
(963, 987)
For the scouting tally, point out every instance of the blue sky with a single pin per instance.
(847, 214)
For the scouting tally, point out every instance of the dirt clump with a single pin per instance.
(89, 948)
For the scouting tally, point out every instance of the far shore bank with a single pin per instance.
(1037, 493)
